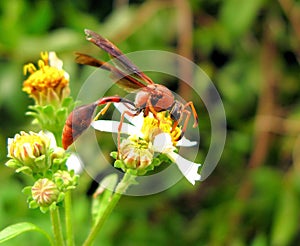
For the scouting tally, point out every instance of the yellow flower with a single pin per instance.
(152, 127)
(48, 83)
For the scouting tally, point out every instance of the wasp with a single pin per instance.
(150, 97)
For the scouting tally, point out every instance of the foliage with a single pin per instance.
(250, 51)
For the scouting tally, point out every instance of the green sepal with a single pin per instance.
(68, 102)
(120, 164)
(114, 155)
(26, 170)
(27, 190)
(46, 209)
(33, 204)
(71, 187)
(61, 114)
(60, 197)
(59, 182)
(40, 163)
(48, 110)
(13, 163)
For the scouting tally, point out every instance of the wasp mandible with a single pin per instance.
(150, 97)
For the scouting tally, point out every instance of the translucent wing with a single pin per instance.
(122, 61)
(127, 82)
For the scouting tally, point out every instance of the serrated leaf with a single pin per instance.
(19, 228)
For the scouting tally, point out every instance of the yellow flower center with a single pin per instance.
(163, 124)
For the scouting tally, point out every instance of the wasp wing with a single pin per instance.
(116, 53)
(127, 82)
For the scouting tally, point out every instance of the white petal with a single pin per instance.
(50, 135)
(112, 126)
(163, 143)
(74, 163)
(184, 142)
(189, 169)
(135, 120)
(55, 61)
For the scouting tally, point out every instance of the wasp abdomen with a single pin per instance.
(77, 122)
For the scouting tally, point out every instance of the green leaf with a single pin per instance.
(286, 218)
(19, 228)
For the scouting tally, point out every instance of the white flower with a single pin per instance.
(162, 142)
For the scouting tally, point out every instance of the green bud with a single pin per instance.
(44, 192)
(136, 155)
(65, 180)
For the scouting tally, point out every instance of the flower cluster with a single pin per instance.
(37, 155)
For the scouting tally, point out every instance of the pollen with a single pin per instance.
(161, 124)
(45, 82)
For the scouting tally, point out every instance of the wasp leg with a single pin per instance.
(102, 111)
(121, 123)
(188, 115)
(152, 110)
(191, 105)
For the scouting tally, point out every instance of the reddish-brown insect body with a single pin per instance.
(150, 97)
(78, 120)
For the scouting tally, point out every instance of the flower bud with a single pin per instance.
(29, 149)
(44, 192)
(136, 154)
(65, 180)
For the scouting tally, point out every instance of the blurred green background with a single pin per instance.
(250, 50)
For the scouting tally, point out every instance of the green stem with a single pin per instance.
(68, 218)
(56, 227)
(120, 189)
